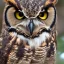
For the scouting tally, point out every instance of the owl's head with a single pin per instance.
(30, 18)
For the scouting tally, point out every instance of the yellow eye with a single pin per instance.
(19, 15)
(43, 15)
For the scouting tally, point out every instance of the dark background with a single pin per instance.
(60, 29)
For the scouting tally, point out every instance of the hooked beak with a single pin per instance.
(31, 26)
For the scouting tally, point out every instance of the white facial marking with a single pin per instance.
(36, 42)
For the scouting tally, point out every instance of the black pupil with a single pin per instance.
(21, 14)
(42, 14)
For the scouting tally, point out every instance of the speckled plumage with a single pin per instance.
(20, 46)
(16, 53)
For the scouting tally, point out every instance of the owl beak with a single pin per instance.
(31, 26)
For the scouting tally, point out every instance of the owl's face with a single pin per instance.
(30, 19)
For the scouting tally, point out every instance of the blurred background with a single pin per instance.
(60, 29)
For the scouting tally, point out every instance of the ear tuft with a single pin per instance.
(12, 1)
(51, 1)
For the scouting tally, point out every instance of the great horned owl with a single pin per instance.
(29, 32)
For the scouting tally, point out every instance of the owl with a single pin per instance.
(29, 32)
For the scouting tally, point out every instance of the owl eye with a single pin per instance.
(43, 15)
(19, 15)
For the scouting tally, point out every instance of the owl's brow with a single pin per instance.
(47, 6)
(17, 6)
(13, 5)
